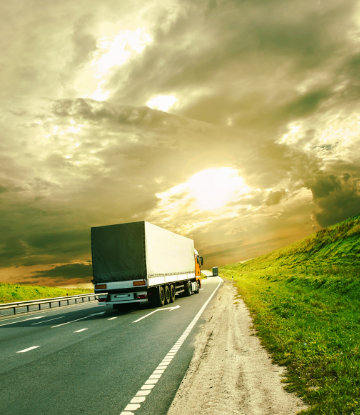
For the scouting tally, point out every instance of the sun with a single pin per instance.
(208, 189)
(215, 187)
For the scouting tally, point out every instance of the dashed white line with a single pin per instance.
(155, 376)
(82, 318)
(45, 321)
(14, 322)
(78, 331)
(26, 350)
(112, 318)
(48, 310)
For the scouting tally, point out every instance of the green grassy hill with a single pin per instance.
(10, 293)
(338, 245)
(305, 302)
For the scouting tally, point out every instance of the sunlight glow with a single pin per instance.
(210, 189)
(162, 102)
(112, 51)
(213, 188)
(332, 137)
(116, 51)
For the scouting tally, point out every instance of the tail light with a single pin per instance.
(102, 300)
(135, 283)
(100, 287)
(141, 296)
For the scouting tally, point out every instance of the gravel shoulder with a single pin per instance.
(231, 373)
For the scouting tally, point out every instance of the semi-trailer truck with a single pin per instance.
(139, 262)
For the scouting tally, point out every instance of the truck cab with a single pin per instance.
(199, 261)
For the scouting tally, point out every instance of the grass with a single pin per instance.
(10, 293)
(305, 304)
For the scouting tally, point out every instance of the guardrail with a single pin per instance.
(49, 301)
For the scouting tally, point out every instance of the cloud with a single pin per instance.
(267, 90)
(66, 272)
(274, 198)
(337, 198)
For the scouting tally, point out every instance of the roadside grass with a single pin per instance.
(305, 305)
(10, 293)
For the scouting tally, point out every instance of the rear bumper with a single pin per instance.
(124, 298)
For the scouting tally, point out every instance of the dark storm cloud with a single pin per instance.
(337, 198)
(65, 240)
(67, 271)
(290, 37)
(306, 104)
(322, 185)
(12, 249)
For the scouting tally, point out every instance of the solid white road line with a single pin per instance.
(45, 321)
(78, 331)
(160, 309)
(26, 350)
(152, 380)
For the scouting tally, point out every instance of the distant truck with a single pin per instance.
(139, 262)
(215, 271)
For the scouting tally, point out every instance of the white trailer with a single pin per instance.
(139, 262)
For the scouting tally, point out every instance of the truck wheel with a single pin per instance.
(167, 294)
(187, 289)
(172, 293)
(158, 296)
(198, 287)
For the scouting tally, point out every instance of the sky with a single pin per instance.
(232, 122)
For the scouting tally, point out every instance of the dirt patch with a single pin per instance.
(231, 373)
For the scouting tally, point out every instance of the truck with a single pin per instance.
(215, 271)
(139, 262)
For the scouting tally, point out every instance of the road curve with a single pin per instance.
(92, 359)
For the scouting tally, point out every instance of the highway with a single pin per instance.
(90, 359)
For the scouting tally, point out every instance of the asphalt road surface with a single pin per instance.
(90, 359)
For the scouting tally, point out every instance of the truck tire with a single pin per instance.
(187, 289)
(167, 294)
(198, 287)
(158, 296)
(172, 293)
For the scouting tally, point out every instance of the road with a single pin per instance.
(91, 359)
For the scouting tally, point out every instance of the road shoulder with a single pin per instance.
(231, 373)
